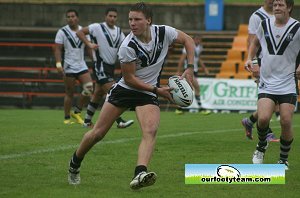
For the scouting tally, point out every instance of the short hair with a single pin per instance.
(72, 10)
(289, 4)
(144, 8)
(110, 10)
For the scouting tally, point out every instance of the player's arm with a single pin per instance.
(82, 36)
(57, 54)
(254, 45)
(249, 40)
(128, 73)
(180, 63)
(201, 63)
(298, 72)
(189, 45)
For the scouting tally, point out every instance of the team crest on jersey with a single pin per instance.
(140, 55)
(289, 37)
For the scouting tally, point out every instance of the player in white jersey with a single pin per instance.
(279, 39)
(106, 40)
(197, 62)
(263, 13)
(142, 55)
(74, 67)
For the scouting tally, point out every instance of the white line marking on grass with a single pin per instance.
(123, 140)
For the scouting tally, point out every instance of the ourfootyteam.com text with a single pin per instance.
(234, 179)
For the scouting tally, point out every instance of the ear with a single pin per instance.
(149, 21)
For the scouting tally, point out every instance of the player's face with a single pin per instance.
(72, 19)
(138, 23)
(280, 10)
(111, 18)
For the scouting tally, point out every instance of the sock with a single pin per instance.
(252, 119)
(67, 117)
(138, 169)
(262, 136)
(119, 119)
(285, 147)
(77, 110)
(75, 161)
(90, 111)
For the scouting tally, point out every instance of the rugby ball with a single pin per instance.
(182, 92)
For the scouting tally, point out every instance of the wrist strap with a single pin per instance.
(154, 90)
(58, 65)
(190, 65)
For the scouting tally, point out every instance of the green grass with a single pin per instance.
(35, 148)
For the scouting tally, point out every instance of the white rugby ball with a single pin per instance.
(182, 92)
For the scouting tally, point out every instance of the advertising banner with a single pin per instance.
(228, 94)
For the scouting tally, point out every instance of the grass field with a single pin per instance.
(35, 148)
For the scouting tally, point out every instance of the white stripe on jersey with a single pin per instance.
(149, 57)
(278, 65)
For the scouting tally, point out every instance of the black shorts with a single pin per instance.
(76, 75)
(126, 98)
(286, 98)
(103, 72)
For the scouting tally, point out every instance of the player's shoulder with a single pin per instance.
(127, 40)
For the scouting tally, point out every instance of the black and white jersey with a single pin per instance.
(149, 57)
(108, 40)
(280, 56)
(198, 51)
(256, 18)
(74, 49)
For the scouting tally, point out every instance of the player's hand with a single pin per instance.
(188, 74)
(165, 92)
(206, 71)
(93, 46)
(255, 71)
(248, 65)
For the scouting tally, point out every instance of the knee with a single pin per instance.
(150, 132)
(263, 122)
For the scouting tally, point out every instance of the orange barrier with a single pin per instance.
(14, 44)
(228, 69)
(243, 30)
(240, 43)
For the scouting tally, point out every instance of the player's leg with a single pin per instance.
(93, 105)
(106, 118)
(286, 111)
(87, 90)
(69, 82)
(149, 118)
(265, 106)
